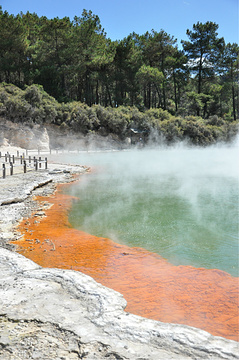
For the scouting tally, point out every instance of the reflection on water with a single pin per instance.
(180, 203)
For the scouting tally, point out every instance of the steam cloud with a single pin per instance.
(178, 201)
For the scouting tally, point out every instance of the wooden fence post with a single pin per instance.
(11, 168)
(45, 163)
(39, 162)
(24, 166)
(36, 164)
(3, 171)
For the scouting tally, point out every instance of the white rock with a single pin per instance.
(94, 313)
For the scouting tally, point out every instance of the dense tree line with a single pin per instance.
(75, 61)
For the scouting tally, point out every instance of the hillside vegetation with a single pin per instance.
(67, 72)
(34, 106)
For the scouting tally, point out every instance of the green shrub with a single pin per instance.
(159, 114)
(33, 95)
(214, 120)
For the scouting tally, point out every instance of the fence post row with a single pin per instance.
(37, 163)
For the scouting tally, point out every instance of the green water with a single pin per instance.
(180, 203)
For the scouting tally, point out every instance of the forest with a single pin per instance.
(143, 81)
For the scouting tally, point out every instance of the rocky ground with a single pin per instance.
(58, 314)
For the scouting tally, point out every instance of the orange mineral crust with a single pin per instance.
(153, 288)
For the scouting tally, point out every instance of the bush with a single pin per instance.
(215, 120)
(17, 110)
(159, 114)
(170, 130)
(33, 95)
(79, 119)
(197, 132)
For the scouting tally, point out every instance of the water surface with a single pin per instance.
(180, 203)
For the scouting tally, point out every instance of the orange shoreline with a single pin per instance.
(153, 288)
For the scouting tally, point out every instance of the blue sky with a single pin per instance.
(121, 17)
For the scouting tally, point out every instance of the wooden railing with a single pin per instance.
(55, 151)
(12, 164)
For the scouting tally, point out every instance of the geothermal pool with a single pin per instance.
(135, 216)
(181, 203)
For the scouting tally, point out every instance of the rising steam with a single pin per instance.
(178, 201)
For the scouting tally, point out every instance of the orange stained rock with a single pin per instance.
(153, 288)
